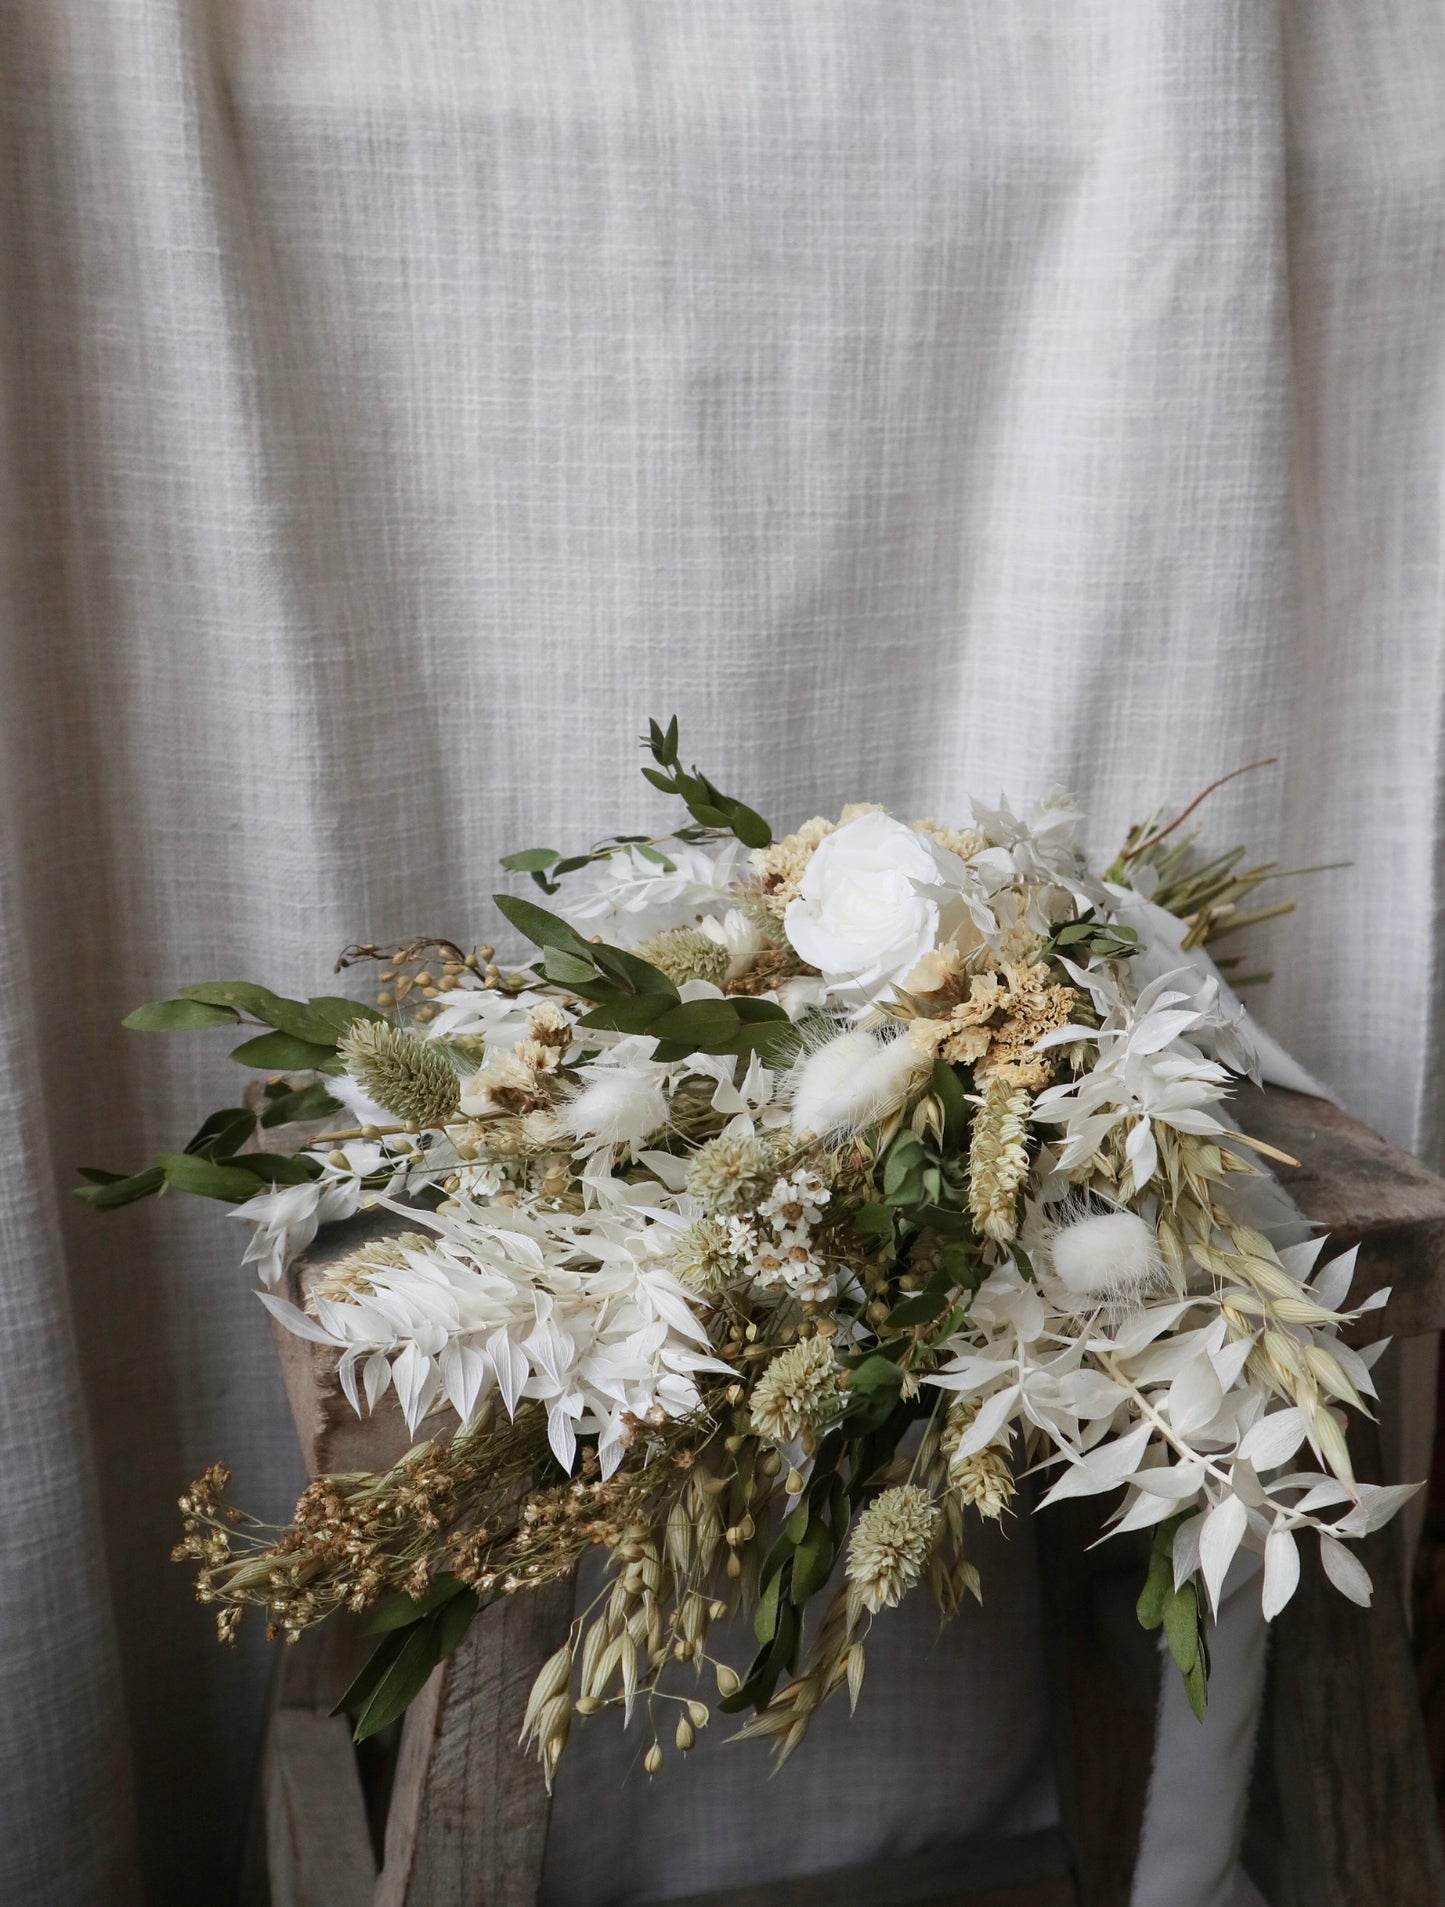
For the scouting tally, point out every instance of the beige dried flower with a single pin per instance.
(964, 842)
(731, 1173)
(998, 1160)
(984, 1479)
(684, 953)
(351, 1277)
(798, 1393)
(701, 1259)
(890, 1545)
(412, 1078)
(781, 867)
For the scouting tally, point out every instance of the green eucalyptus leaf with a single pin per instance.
(1181, 1625)
(812, 1564)
(108, 1191)
(206, 1179)
(178, 1016)
(542, 928)
(288, 1106)
(283, 1053)
(403, 1679)
(567, 970)
(223, 1133)
(397, 1611)
(635, 1014)
(339, 1014)
(765, 1619)
(920, 1309)
(530, 860)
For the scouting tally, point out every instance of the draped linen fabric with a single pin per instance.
(399, 403)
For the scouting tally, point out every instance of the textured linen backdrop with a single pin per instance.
(401, 402)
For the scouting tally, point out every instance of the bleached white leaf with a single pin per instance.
(1104, 1468)
(1346, 1571)
(1143, 1513)
(993, 1413)
(1141, 1152)
(295, 1321)
(1144, 1326)
(1173, 1481)
(1162, 1362)
(1194, 1397)
(1376, 1301)
(1186, 1549)
(1091, 1394)
(1281, 1570)
(1370, 1354)
(346, 1372)
(1229, 1360)
(1223, 1530)
(1299, 1260)
(1332, 1283)
(1354, 1367)
(375, 1376)
(1325, 1494)
(1378, 1503)
(1274, 1439)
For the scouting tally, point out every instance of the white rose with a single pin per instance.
(868, 906)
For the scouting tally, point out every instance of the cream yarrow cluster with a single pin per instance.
(891, 1543)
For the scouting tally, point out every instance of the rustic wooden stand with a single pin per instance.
(1342, 1810)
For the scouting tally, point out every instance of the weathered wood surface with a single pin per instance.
(318, 1852)
(469, 1812)
(1346, 1738)
(1103, 1674)
(1029, 1870)
(332, 1437)
(1363, 1190)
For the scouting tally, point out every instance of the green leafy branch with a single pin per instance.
(704, 800)
(629, 995)
(301, 1036)
(1180, 1612)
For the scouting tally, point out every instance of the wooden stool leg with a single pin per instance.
(1104, 1680)
(1347, 1739)
(318, 1849)
(469, 1812)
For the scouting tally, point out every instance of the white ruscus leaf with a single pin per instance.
(1281, 1570)
(1219, 1538)
(1346, 1571)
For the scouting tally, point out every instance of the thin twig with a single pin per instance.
(1179, 819)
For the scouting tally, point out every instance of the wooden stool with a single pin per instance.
(1342, 1809)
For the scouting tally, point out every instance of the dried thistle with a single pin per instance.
(412, 1078)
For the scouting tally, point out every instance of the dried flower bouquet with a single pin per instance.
(798, 1199)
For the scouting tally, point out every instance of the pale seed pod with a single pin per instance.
(795, 1483)
(686, 1735)
(587, 1705)
(855, 1664)
(717, 1609)
(734, 1565)
(552, 1678)
(698, 1712)
(728, 1681)
(652, 1760)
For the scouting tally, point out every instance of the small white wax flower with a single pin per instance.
(616, 1107)
(1106, 1255)
(851, 1082)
